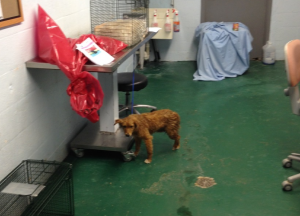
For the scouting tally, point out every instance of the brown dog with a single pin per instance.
(143, 125)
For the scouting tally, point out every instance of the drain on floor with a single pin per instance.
(205, 182)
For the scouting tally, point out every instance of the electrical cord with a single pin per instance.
(132, 94)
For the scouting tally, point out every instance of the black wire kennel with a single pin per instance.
(56, 198)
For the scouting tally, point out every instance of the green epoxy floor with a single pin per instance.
(236, 131)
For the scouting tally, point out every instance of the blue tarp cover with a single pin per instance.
(222, 52)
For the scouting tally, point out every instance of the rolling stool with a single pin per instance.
(125, 85)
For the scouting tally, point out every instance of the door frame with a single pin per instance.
(266, 37)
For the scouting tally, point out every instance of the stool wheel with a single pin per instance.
(128, 156)
(287, 186)
(287, 163)
(78, 152)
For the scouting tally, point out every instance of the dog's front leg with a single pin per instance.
(138, 142)
(149, 147)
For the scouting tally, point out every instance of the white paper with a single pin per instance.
(154, 29)
(91, 50)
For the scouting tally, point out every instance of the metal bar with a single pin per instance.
(292, 157)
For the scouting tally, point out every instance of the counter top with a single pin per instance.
(120, 57)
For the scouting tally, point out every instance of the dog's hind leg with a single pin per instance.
(173, 134)
(176, 143)
(137, 146)
(149, 147)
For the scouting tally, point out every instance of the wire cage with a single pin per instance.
(55, 199)
(124, 20)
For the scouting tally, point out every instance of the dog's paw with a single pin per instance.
(175, 148)
(135, 154)
(147, 161)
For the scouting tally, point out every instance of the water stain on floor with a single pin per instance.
(184, 211)
(166, 179)
(205, 182)
(190, 179)
(185, 197)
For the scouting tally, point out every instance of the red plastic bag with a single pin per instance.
(86, 95)
(110, 45)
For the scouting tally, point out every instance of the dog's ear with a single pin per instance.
(135, 122)
(118, 121)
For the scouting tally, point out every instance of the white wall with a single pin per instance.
(285, 25)
(36, 120)
(183, 46)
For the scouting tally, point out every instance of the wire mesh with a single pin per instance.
(124, 20)
(58, 201)
(55, 199)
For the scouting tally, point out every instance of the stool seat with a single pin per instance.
(125, 81)
(125, 85)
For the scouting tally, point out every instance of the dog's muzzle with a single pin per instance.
(127, 135)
